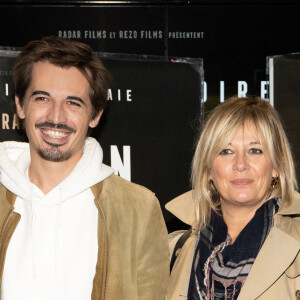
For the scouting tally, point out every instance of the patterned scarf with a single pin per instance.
(219, 268)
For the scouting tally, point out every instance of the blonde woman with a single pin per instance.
(243, 210)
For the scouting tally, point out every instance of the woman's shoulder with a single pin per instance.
(183, 207)
(290, 224)
(293, 210)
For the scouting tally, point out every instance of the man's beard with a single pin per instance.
(54, 153)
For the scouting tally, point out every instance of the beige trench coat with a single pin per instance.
(275, 274)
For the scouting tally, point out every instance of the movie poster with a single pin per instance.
(148, 130)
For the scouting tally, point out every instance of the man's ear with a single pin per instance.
(94, 122)
(20, 108)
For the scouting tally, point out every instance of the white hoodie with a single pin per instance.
(53, 251)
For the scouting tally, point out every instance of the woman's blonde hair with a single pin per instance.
(220, 128)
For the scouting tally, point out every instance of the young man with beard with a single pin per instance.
(69, 228)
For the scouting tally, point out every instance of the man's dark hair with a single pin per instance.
(63, 53)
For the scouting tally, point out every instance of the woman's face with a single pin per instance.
(242, 173)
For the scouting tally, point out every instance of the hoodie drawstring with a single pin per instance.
(57, 228)
(33, 233)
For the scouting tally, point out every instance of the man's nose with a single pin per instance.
(57, 113)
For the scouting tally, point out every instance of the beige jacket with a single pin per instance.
(133, 250)
(275, 274)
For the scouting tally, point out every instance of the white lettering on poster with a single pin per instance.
(123, 168)
(69, 34)
(128, 95)
(15, 124)
(222, 91)
(128, 34)
(264, 89)
(125, 34)
(186, 35)
(95, 34)
(5, 89)
(5, 72)
(242, 88)
(5, 119)
(119, 95)
(151, 34)
(204, 91)
(6, 122)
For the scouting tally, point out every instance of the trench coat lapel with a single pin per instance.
(277, 253)
(183, 207)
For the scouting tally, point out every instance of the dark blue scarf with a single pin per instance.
(219, 268)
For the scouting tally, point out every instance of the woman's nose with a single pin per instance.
(240, 162)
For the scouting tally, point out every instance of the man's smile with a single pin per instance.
(45, 125)
(55, 134)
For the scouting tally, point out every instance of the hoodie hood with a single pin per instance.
(15, 160)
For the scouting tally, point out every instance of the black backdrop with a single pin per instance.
(233, 38)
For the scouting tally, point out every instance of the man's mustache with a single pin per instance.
(55, 126)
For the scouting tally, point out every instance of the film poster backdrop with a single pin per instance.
(149, 126)
(157, 118)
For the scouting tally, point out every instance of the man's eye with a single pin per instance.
(255, 151)
(74, 103)
(41, 99)
(226, 152)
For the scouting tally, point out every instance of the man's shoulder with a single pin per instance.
(127, 202)
(119, 184)
(125, 193)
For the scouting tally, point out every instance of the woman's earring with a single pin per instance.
(275, 181)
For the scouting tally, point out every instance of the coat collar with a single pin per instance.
(183, 207)
(294, 208)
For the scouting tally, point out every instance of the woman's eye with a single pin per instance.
(255, 151)
(226, 151)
